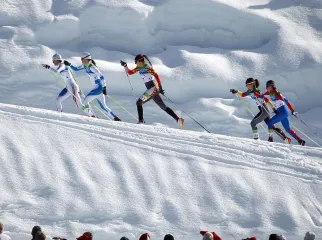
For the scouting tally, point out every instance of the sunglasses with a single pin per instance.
(139, 60)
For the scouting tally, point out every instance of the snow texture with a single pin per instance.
(200, 49)
(70, 174)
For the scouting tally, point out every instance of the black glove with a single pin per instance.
(275, 111)
(67, 63)
(161, 90)
(104, 91)
(233, 91)
(124, 64)
(45, 66)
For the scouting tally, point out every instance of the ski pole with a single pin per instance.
(121, 106)
(308, 126)
(130, 83)
(305, 135)
(245, 105)
(186, 113)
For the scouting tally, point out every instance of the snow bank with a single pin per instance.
(71, 174)
(200, 49)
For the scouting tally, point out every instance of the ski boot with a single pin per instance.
(288, 140)
(141, 121)
(301, 142)
(117, 119)
(181, 123)
(270, 139)
(255, 134)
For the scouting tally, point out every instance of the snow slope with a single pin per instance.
(70, 174)
(200, 48)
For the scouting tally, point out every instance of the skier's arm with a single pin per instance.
(281, 97)
(98, 73)
(75, 69)
(242, 94)
(131, 72)
(264, 96)
(53, 69)
(152, 72)
(239, 93)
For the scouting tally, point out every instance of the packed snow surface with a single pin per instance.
(71, 174)
(200, 48)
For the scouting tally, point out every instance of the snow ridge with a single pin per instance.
(69, 173)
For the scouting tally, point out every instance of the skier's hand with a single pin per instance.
(233, 91)
(161, 90)
(275, 111)
(67, 63)
(295, 114)
(124, 64)
(45, 66)
(104, 91)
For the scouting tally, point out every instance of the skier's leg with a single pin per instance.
(139, 106)
(158, 100)
(286, 124)
(90, 97)
(275, 119)
(101, 101)
(63, 95)
(77, 99)
(146, 96)
(277, 130)
(256, 120)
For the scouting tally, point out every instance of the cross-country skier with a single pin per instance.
(281, 113)
(154, 87)
(71, 88)
(98, 82)
(264, 114)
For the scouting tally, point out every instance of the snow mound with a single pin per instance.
(70, 174)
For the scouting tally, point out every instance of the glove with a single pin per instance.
(124, 64)
(161, 90)
(295, 113)
(275, 111)
(104, 91)
(67, 63)
(45, 66)
(233, 91)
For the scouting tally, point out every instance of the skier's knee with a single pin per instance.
(288, 129)
(270, 125)
(139, 102)
(253, 125)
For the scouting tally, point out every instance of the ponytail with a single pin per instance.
(94, 62)
(256, 83)
(145, 56)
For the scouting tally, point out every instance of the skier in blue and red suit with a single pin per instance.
(277, 102)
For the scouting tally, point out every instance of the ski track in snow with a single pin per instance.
(160, 145)
(288, 160)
